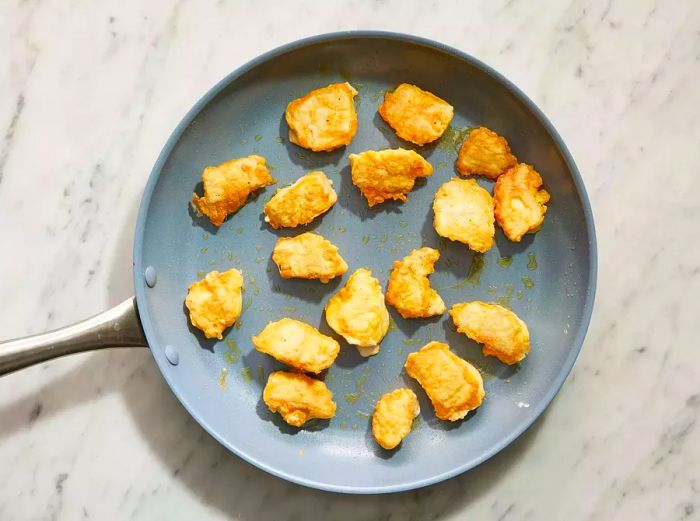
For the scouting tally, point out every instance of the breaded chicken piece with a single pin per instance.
(464, 212)
(387, 174)
(409, 289)
(393, 417)
(298, 398)
(415, 114)
(324, 119)
(357, 312)
(308, 256)
(520, 202)
(301, 202)
(453, 385)
(298, 345)
(215, 302)
(228, 185)
(503, 334)
(484, 153)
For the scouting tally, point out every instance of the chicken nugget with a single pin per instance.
(484, 153)
(387, 174)
(453, 385)
(415, 114)
(308, 256)
(228, 185)
(324, 119)
(301, 202)
(519, 201)
(409, 289)
(298, 398)
(464, 213)
(501, 331)
(298, 345)
(215, 302)
(357, 312)
(393, 417)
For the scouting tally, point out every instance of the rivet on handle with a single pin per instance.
(150, 276)
(172, 355)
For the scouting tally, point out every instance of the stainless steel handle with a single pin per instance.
(117, 327)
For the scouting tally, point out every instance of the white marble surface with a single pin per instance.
(91, 90)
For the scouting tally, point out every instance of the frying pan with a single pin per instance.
(548, 279)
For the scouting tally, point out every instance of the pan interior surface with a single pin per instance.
(549, 281)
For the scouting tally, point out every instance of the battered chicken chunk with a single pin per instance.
(387, 174)
(409, 290)
(357, 312)
(228, 185)
(298, 345)
(453, 385)
(298, 398)
(484, 153)
(503, 334)
(464, 213)
(393, 417)
(324, 119)
(308, 256)
(301, 202)
(520, 202)
(215, 302)
(416, 115)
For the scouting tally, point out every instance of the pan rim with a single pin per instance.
(577, 342)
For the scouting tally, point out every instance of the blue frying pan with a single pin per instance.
(548, 279)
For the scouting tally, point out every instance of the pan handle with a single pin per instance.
(116, 327)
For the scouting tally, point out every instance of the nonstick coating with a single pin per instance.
(244, 114)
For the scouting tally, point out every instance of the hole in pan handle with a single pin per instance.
(116, 327)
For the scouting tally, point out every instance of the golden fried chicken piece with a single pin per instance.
(409, 289)
(228, 185)
(298, 345)
(215, 302)
(484, 153)
(520, 202)
(453, 385)
(357, 312)
(464, 212)
(416, 115)
(301, 202)
(503, 334)
(387, 174)
(298, 398)
(324, 119)
(393, 417)
(308, 256)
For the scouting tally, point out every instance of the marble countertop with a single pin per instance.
(92, 90)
